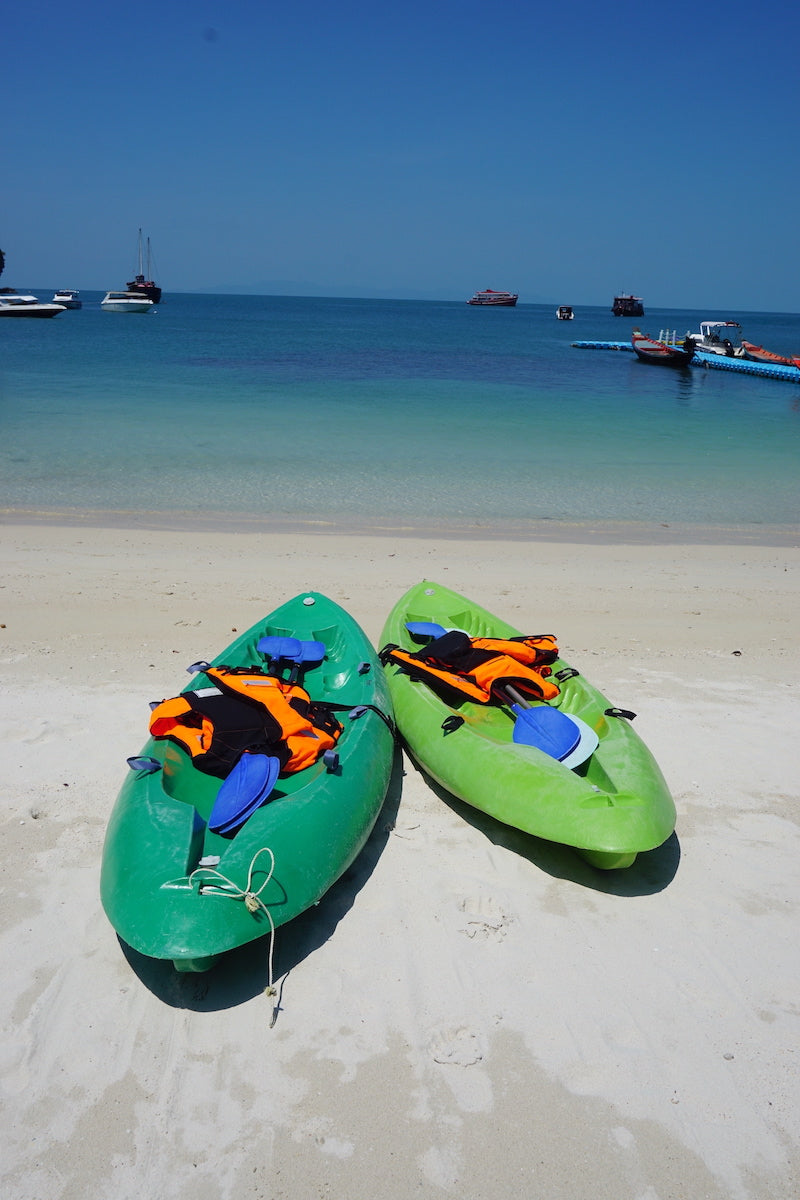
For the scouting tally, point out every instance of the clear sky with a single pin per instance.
(407, 148)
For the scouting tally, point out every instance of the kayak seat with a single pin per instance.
(291, 650)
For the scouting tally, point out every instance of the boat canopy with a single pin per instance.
(711, 329)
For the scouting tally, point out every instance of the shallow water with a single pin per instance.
(389, 412)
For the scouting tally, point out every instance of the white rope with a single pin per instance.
(253, 903)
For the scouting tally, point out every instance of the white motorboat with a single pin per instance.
(68, 298)
(719, 337)
(126, 302)
(13, 305)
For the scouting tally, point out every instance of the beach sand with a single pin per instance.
(469, 1012)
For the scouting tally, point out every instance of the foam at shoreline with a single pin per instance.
(572, 532)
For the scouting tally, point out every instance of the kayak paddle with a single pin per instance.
(547, 728)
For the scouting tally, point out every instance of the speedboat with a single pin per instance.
(67, 298)
(498, 299)
(719, 337)
(564, 312)
(126, 302)
(12, 305)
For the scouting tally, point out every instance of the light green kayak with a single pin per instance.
(175, 890)
(610, 807)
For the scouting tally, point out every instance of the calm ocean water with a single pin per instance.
(389, 412)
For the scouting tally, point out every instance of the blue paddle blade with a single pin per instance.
(425, 629)
(546, 728)
(589, 741)
(246, 788)
(291, 649)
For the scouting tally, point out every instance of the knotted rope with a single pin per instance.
(252, 901)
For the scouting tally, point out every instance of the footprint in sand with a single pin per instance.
(456, 1047)
(484, 918)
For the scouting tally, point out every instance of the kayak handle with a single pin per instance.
(144, 764)
(620, 712)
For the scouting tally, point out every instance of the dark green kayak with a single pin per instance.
(611, 805)
(175, 890)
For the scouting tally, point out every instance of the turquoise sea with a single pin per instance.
(387, 414)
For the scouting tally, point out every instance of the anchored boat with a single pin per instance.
(719, 337)
(143, 285)
(126, 302)
(68, 297)
(13, 304)
(497, 299)
(665, 349)
(625, 305)
(759, 354)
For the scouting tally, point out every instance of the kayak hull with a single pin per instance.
(609, 809)
(290, 851)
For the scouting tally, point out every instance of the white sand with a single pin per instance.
(469, 1013)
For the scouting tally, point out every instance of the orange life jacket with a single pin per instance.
(251, 711)
(480, 669)
(535, 650)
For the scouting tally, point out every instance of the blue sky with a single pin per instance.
(566, 151)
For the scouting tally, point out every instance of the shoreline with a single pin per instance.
(588, 532)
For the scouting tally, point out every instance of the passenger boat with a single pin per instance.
(196, 864)
(126, 302)
(599, 790)
(759, 354)
(719, 337)
(143, 285)
(498, 299)
(664, 349)
(625, 305)
(564, 312)
(13, 304)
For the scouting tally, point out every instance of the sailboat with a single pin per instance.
(141, 286)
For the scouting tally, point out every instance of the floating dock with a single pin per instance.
(768, 370)
(717, 362)
(603, 346)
